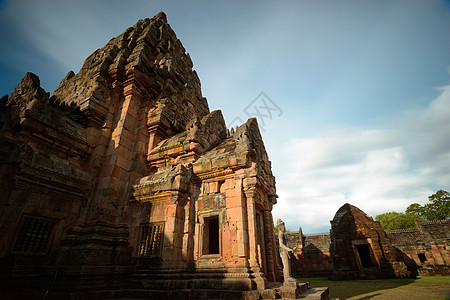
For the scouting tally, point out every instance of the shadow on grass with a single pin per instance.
(369, 297)
(421, 288)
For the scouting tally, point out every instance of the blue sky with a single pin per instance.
(362, 88)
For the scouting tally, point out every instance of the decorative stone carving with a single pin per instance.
(285, 254)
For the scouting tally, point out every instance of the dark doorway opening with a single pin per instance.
(365, 255)
(212, 225)
(422, 257)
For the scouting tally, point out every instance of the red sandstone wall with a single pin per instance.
(430, 241)
(312, 254)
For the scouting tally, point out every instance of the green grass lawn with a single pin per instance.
(422, 288)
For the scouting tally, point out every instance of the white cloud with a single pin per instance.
(379, 170)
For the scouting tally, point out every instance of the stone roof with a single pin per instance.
(421, 235)
(150, 57)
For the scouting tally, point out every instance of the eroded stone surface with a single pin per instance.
(361, 249)
(425, 248)
(124, 179)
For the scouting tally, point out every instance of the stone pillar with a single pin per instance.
(273, 268)
(188, 233)
(249, 188)
(168, 253)
(255, 265)
(252, 231)
(173, 232)
(197, 232)
(236, 218)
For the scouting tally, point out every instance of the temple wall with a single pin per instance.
(316, 260)
(311, 256)
(425, 249)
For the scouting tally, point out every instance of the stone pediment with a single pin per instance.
(165, 179)
(187, 146)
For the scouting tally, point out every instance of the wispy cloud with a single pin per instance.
(382, 169)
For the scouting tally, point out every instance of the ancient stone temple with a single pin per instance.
(423, 249)
(361, 249)
(124, 184)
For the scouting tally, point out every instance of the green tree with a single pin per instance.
(437, 209)
(395, 220)
(275, 229)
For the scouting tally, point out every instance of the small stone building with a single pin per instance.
(361, 249)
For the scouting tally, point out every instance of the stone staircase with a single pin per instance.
(301, 291)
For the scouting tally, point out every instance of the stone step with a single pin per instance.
(203, 294)
(302, 291)
(231, 284)
(318, 293)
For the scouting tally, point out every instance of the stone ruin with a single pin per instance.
(425, 248)
(358, 248)
(311, 257)
(124, 184)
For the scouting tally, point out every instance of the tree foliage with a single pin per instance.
(437, 209)
(395, 220)
(275, 230)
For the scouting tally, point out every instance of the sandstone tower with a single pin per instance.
(123, 182)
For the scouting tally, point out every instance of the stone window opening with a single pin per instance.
(34, 235)
(220, 186)
(365, 255)
(151, 240)
(422, 257)
(211, 236)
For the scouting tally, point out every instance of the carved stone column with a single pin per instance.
(274, 270)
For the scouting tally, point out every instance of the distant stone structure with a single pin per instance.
(312, 254)
(426, 247)
(124, 184)
(359, 248)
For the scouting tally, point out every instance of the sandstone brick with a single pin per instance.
(234, 214)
